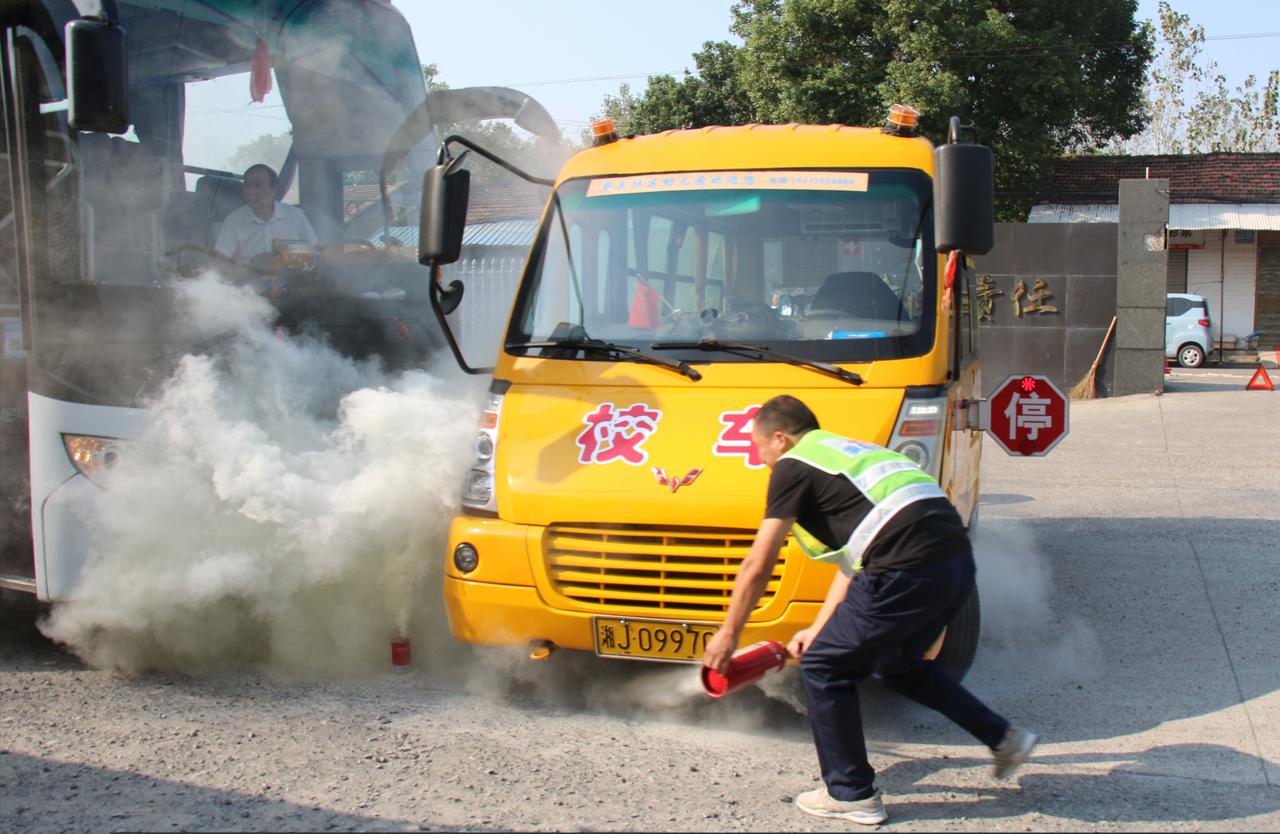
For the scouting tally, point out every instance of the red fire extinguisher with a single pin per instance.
(747, 666)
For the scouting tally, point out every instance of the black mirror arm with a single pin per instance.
(434, 292)
(955, 129)
(497, 160)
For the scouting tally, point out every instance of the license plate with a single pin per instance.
(671, 640)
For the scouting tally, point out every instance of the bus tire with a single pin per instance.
(961, 642)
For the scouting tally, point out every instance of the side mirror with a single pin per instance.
(964, 198)
(97, 77)
(445, 189)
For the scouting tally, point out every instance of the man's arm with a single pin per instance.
(748, 587)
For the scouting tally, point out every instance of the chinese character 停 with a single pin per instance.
(617, 434)
(1029, 412)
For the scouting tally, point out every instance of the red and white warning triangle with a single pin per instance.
(1260, 381)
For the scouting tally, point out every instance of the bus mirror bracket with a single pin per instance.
(964, 193)
(445, 189)
(976, 414)
(97, 76)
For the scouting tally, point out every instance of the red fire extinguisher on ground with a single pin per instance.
(747, 666)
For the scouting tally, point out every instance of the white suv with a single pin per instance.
(1186, 329)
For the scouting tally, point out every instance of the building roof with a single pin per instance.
(1264, 216)
(1240, 178)
(506, 199)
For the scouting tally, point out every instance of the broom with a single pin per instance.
(1087, 388)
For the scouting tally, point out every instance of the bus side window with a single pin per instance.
(603, 264)
(968, 314)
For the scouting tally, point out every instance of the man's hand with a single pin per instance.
(801, 641)
(720, 649)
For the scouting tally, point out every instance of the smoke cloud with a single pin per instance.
(1023, 632)
(286, 506)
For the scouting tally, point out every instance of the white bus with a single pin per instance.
(123, 156)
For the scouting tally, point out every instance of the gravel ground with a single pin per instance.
(1160, 730)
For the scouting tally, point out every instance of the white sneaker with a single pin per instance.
(869, 811)
(1013, 750)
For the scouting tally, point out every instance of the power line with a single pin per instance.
(1041, 50)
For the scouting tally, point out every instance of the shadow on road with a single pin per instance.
(46, 795)
(1127, 788)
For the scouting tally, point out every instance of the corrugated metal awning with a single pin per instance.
(1054, 213)
(1255, 216)
(504, 233)
(1249, 216)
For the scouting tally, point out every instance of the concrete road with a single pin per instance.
(1128, 582)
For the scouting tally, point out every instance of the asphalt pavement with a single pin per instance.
(1128, 584)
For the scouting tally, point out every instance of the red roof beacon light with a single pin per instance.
(903, 120)
(603, 132)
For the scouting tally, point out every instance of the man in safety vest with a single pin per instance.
(906, 568)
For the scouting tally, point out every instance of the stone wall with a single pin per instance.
(1077, 263)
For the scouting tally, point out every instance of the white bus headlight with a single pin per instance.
(94, 457)
(480, 480)
(919, 431)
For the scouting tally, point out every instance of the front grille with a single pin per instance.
(673, 571)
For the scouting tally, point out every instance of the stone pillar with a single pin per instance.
(1140, 287)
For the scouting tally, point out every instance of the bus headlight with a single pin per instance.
(480, 480)
(916, 451)
(94, 457)
(465, 558)
(921, 426)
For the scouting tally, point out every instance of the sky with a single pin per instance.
(606, 41)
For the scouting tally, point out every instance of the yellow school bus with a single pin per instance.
(678, 281)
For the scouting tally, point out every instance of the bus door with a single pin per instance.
(39, 236)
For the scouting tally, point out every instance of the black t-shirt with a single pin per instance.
(830, 507)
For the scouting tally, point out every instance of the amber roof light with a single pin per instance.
(903, 120)
(603, 132)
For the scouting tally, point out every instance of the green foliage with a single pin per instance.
(1038, 77)
(267, 149)
(1190, 108)
(715, 96)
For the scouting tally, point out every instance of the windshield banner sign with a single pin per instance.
(720, 180)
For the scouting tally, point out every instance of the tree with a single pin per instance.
(1190, 108)
(1038, 77)
(268, 149)
(714, 96)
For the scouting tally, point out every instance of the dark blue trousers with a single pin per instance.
(883, 628)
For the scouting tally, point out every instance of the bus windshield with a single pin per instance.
(834, 266)
(314, 91)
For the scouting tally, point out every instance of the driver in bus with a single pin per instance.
(254, 228)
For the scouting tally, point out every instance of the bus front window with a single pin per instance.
(826, 266)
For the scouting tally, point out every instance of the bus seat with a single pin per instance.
(217, 197)
(862, 295)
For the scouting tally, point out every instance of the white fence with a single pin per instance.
(480, 323)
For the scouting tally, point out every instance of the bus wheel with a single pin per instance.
(960, 640)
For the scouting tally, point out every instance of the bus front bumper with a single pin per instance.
(511, 615)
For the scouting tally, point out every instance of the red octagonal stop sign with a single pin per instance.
(1028, 415)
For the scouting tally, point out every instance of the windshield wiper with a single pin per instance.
(760, 351)
(606, 347)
